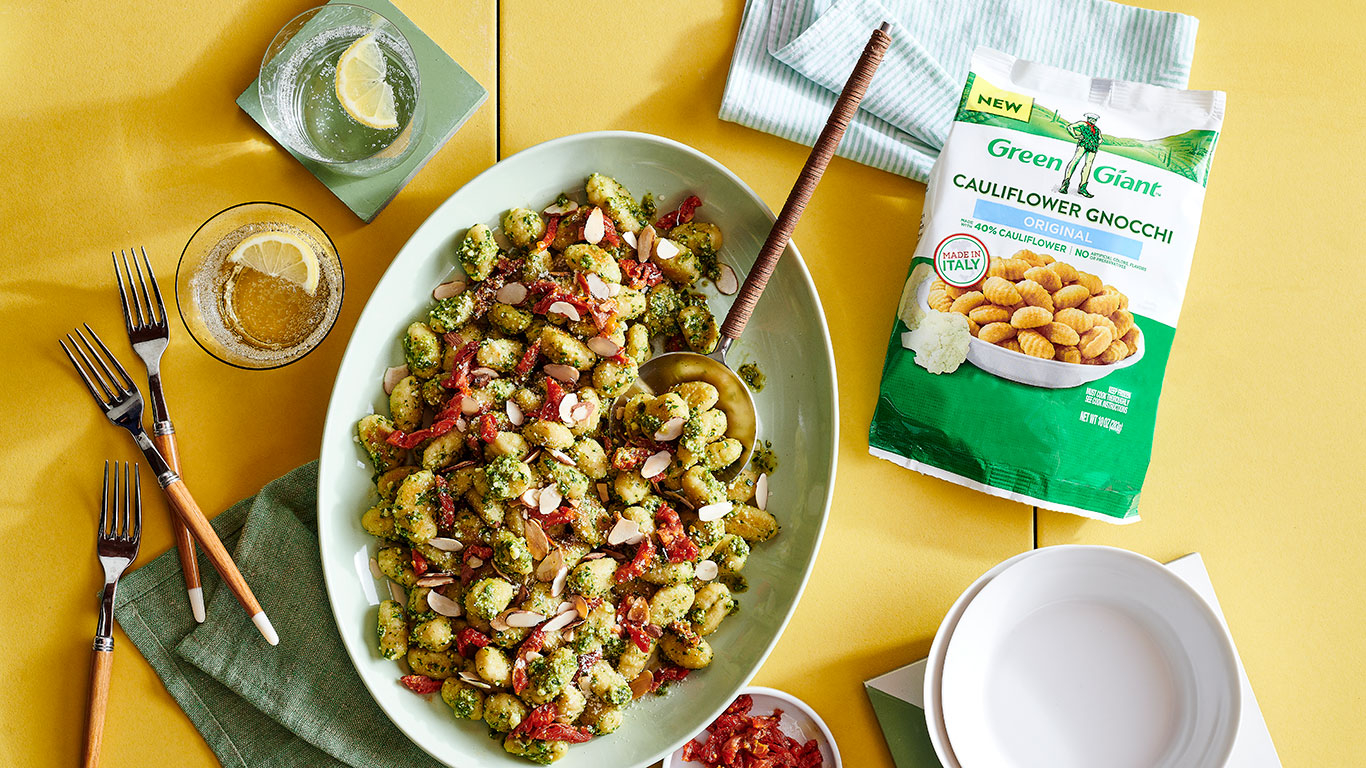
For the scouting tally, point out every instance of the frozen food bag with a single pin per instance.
(1033, 331)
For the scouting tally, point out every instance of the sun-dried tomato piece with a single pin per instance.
(627, 458)
(419, 563)
(554, 393)
(488, 427)
(639, 636)
(481, 551)
(420, 683)
(645, 552)
(682, 215)
(640, 275)
(738, 739)
(560, 732)
(669, 528)
(668, 674)
(528, 360)
(539, 717)
(587, 660)
(446, 519)
(470, 640)
(552, 228)
(410, 440)
(675, 343)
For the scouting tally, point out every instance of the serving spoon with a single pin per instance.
(660, 373)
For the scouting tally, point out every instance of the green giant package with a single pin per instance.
(1055, 245)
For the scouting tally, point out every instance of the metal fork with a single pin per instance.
(116, 543)
(121, 402)
(144, 315)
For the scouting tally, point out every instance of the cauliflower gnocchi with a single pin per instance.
(1037, 306)
(563, 553)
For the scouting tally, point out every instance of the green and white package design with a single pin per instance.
(1059, 228)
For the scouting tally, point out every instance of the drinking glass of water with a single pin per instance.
(340, 85)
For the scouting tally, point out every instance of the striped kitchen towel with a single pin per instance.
(793, 56)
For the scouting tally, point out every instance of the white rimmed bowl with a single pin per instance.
(798, 721)
(787, 337)
(1082, 656)
(1034, 371)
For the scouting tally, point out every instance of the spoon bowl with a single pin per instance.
(735, 400)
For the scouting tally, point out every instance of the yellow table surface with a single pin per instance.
(122, 131)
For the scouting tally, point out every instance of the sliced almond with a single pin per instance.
(614, 289)
(536, 540)
(569, 206)
(645, 243)
(671, 429)
(603, 346)
(642, 684)
(374, 569)
(566, 373)
(561, 457)
(564, 308)
(499, 623)
(630, 238)
(435, 580)
(557, 583)
(475, 562)
(594, 556)
(445, 544)
(397, 593)
(531, 498)
(623, 531)
(461, 425)
(714, 511)
(707, 570)
(581, 605)
(603, 494)
(666, 249)
(550, 499)
(469, 406)
(393, 376)
(761, 492)
(524, 619)
(475, 680)
(581, 413)
(595, 228)
(597, 287)
(511, 293)
(727, 283)
(560, 621)
(442, 604)
(567, 404)
(639, 612)
(515, 414)
(550, 566)
(447, 290)
(655, 465)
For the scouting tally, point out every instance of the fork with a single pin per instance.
(118, 397)
(144, 315)
(116, 543)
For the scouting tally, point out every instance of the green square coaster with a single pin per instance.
(451, 96)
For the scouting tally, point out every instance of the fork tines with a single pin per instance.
(114, 515)
(142, 310)
(116, 389)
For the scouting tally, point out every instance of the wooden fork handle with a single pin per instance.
(101, 664)
(184, 505)
(821, 152)
(184, 542)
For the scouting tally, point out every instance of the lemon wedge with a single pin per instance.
(361, 87)
(280, 255)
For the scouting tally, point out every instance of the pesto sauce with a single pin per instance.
(752, 376)
(764, 459)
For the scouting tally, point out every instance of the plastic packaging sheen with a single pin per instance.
(1060, 222)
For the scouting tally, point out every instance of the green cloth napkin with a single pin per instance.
(300, 703)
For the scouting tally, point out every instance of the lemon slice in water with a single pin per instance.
(361, 87)
(280, 255)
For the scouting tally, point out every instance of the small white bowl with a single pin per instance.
(798, 721)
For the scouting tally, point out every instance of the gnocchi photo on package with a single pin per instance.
(1034, 327)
